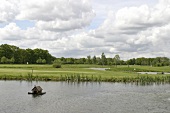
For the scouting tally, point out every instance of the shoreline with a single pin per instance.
(93, 78)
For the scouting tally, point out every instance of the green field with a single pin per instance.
(83, 73)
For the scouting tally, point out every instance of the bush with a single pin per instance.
(57, 65)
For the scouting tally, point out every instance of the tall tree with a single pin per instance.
(103, 59)
(117, 60)
(88, 61)
(94, 60)
(4, 60)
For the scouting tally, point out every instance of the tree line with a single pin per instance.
(103, 60)
(10, 54)
(158, 61)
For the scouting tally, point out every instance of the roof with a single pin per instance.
(37, 88)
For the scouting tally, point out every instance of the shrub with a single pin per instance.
(57, 65)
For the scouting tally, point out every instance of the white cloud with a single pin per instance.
(132, 20)
(142, 30)
(11, 32)
(8, 10)
(79, 45)
(76, 45)
(57, 15)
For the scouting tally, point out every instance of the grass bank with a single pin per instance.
(77, 73)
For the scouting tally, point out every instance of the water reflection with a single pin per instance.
(82, 83)
(35, 96)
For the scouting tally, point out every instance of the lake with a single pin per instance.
(84, 97)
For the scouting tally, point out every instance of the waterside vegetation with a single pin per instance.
(84, 73)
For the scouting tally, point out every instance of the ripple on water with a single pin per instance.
(63, 97)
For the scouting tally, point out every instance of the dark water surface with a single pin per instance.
(63, 97)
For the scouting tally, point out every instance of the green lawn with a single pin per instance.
(81, 72)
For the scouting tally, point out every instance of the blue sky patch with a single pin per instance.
(24, 24)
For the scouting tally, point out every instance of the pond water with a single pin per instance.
(101, 69)
(64, 97)
(153, 73)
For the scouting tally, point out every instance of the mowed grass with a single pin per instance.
(48, 70)
(83, 73)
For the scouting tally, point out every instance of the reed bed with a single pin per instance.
(138, 79)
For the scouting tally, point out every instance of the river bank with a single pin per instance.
(84, 73)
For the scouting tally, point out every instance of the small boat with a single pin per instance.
(37, 90)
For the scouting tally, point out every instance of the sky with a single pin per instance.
(78, 28)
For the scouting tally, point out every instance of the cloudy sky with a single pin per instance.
(77, 28)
